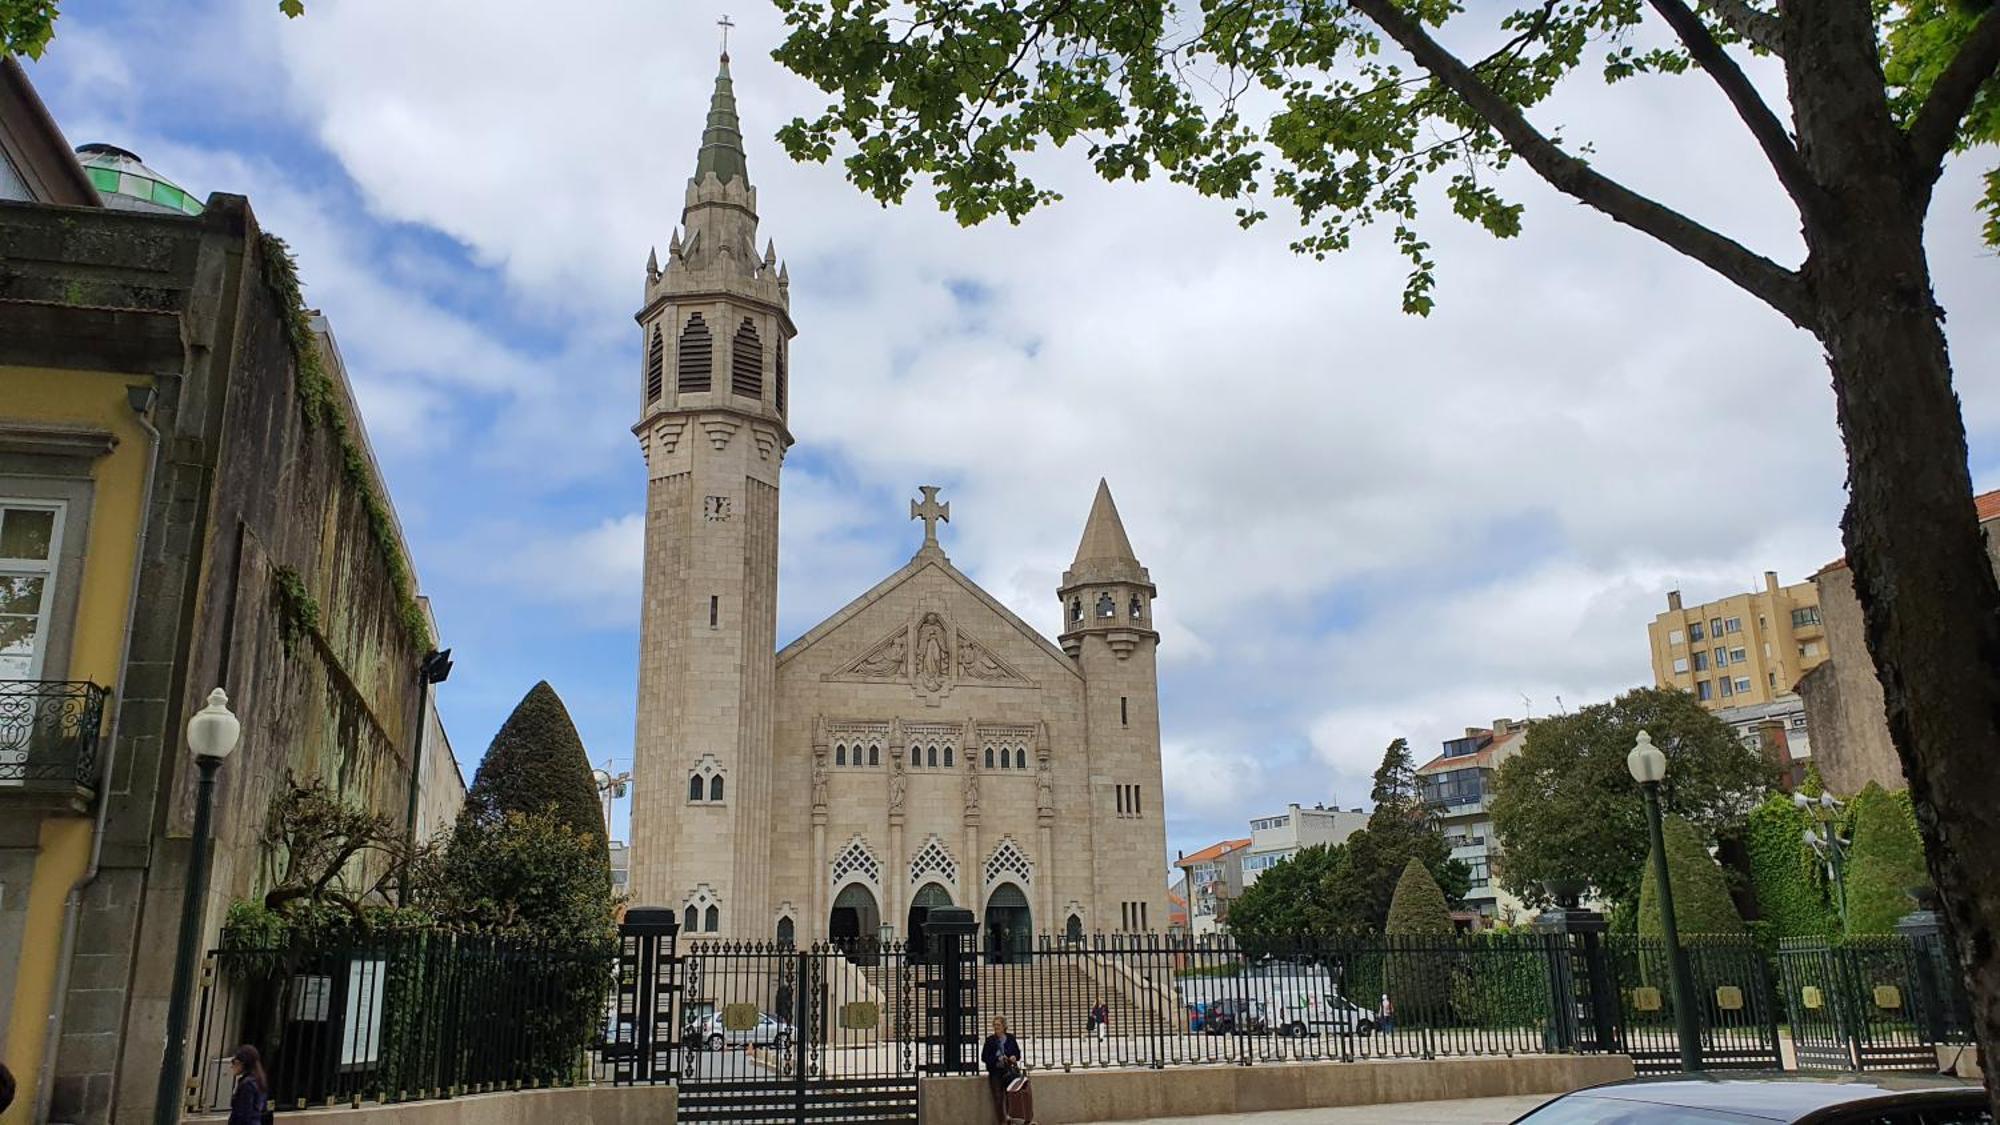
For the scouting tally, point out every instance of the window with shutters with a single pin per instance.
(746, 362)
(656, 365)
(696, 363)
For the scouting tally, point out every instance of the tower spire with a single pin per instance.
(1104, 540)
(722, 141)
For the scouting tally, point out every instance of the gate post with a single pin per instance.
(646, 969)
(954, 947)
(1929, 957)
(1578, 933)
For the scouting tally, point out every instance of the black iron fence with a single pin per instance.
(756, 1031)
(1732, 1001)
(49, 732)
(1878, 1003)
(404, 1017)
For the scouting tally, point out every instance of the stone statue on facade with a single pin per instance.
(898, 783)
(971, 786)
(1045, 787)
(819, 778)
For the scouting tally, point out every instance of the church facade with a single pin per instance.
(922, 747)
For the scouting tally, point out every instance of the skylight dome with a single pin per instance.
(125, 182)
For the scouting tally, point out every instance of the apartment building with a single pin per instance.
(1458, 785)
(1779, 729)
(1214, 878)
(1745, 649)
(1280, 836)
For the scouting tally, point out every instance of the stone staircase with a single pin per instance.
(1048, 997)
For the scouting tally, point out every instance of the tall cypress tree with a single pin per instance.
(1701, 892)
(537, 764)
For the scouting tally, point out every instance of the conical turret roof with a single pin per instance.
(722, 142)
(1104, 538)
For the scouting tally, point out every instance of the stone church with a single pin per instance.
(922, 747)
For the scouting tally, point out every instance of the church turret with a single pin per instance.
(1105, 592)
(1107, 607)
(715, 336)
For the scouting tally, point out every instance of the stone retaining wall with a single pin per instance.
(578, 1105)
(1126, 1095)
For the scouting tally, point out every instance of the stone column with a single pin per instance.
(897, 866)
(1045, 823)
(815, 926)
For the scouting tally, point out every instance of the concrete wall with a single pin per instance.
(1188, 1091)
(581, 1105)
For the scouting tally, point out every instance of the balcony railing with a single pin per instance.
(49, 732)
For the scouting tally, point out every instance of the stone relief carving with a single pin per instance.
(977, 664)
(971, 786)
(933, 667)
(885, 662)
(1045, 787)
(898, 784)
(819, 778)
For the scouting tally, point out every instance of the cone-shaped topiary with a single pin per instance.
(1418, 906)
(1884, 864)
(1701, 892)
(537, 764)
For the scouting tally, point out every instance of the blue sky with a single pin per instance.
(1363, 525)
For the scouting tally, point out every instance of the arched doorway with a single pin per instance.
(855, 920)
(929, 897)
(1073, 930)
(1009, 925)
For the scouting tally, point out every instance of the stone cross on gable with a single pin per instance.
(930, 511)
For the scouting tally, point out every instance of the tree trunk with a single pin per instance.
(1929, 602)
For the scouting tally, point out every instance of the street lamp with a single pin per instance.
(211, 734)
(1649, 768)
(1827, 843)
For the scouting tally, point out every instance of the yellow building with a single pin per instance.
(75, 450)
(1743, 649)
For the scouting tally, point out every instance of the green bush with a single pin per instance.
(1885, 862)
(1421, 969)
(1701, 892)
(1785, 874)
(1418, 906)
(536, 763)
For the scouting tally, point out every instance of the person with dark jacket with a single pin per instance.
(6, 1087)
(251, 1103)
(1002, 1056)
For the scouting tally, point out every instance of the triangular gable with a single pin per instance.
(910, 570)
(33, 148)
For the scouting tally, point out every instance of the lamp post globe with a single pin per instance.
(1647, 764)
(212, 731)
(212, 734)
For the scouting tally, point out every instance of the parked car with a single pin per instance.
(1329, 1013)
(707, 1031)
(1863, 1099)
(1235, 1017)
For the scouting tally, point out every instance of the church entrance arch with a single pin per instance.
(929, 897)
(1009, 925)
(855, 917)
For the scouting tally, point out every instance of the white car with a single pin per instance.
(1327, 1013)
(768, 1032)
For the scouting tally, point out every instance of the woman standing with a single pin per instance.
(1002, 1055)
(251, 1103)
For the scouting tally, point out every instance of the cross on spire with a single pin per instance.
(725, 23)
(930, 511)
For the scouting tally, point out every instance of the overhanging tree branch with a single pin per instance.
(1764, 125)
(1935, 127)
(1776, 286)
(1759, 28)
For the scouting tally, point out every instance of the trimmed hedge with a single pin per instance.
(1884, 863)
(1418, 906)
(537, 764)
(1701, 892)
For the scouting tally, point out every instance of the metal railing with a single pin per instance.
(49, 731)
(403, 1017)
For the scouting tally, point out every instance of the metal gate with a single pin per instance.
(1864, 1003)
(1733, 1003)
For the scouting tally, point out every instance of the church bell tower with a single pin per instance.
(715, 331)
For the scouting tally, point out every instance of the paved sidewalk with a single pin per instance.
(1470, 1111)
